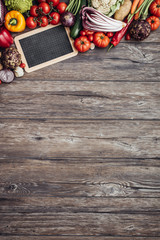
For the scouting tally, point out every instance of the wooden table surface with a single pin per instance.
(80, 148)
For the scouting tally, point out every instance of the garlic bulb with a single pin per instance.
(19, 72)
(6, 75)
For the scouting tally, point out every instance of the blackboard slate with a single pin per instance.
(44, 46)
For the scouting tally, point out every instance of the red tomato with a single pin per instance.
(40, 1)
(31, 22)
(90, 37)
(0, 81)
(44, 8)
(100, 40)
(155, 8)
(54, 18)
(22, 65)
(61, 7)
(34, 11)
(42, 21)
(82, 33)
(82, 44)
(128, 37)
(154, 22)
(54, 3)
(110, 34)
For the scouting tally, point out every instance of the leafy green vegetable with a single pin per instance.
(115, 7)
(19, 5)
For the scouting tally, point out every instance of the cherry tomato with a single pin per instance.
(90, 37)
(154, 22)
(34, 11)
(128, 37)
(54, 18)
(61, 7)
(22, 65)
(82, 33)
(110, 34)
(100, 40)
(31, 22)
(41, 1)
(155, 8)
(82, 44)
(42, 21)
(54, 3)
(44, 8)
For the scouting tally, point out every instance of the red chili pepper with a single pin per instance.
(120, 34)
(6, 38)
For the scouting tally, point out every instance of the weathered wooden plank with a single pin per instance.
(80, 100)
(48, 178)
(128, 61)
(45, 205)
(74, 238)
(55, 138)
(81, 224)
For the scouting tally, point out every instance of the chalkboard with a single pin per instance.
(45, 46)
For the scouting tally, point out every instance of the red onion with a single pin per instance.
(67, 19)
(6, 76)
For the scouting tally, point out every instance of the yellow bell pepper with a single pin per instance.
(15, 21)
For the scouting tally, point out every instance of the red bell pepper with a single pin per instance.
(6, 38)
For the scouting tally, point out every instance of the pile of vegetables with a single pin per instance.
(93, 23)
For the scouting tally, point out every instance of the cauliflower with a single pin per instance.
(108, 7)
(19, 5)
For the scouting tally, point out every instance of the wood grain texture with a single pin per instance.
(79, 148)
(80, 100)
(55, 138)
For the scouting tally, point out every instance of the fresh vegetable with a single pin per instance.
(75, 30)
(74, 6)
(155, 8)
(144, 10)
(123, 10)
(3, 11)
(134, 6)
(11, 58)
(6, 38)
(53, 3)
(54, 18)
(61, 7)
(6, 75)
(34, 11)
(42, 21)
(22, 65)
(90, 37)
(15, 21)
(110, 34)
(18, 5)
(119, 35)
(136, 16)
(67, 19)
(128, 37)
(108, 7)
(31, 22)
(98, 22)
(18, 72)
(86, 32)
(101, 40)
(140, 30)
(154, 22)
(44, 8)
(82, 44)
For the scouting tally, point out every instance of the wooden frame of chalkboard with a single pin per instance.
(32, 50)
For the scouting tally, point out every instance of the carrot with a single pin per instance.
(134, 5)
(136, 16)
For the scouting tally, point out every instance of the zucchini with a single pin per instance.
(75, 30)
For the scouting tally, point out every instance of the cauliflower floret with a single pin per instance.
(103, 6)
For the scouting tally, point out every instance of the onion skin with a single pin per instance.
(3, 12)
(67, 19)
(6, 75)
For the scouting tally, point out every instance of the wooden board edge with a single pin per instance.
(48, 63)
